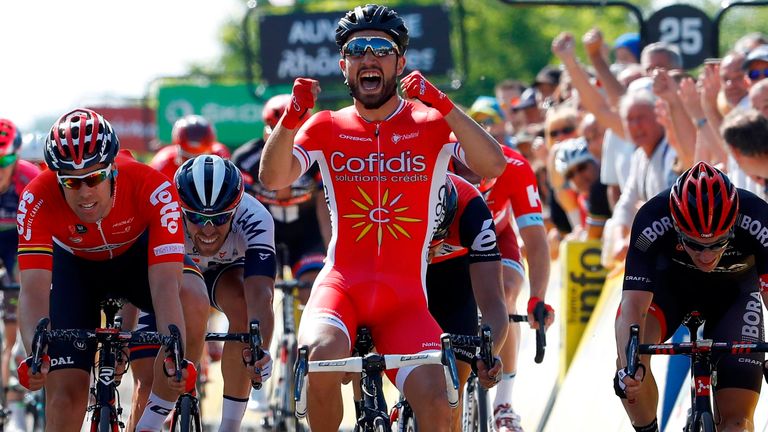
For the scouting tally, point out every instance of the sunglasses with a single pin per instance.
(8, 160)
(564, 131)
(577, 169)
(379, 46)
(200, 219)
(757, 74)
(92, 180)
(698, 247)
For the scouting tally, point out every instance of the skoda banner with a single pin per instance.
(235, 114)
(304, 45)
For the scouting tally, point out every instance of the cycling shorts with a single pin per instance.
(398, 318)
(9, 243)
(79, 285)
(452, 301)
(732, 310)
(510, 250)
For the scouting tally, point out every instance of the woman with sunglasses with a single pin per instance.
(15, 174)
(87, 234)
(700, 246)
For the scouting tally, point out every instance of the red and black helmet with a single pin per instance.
(704, 203)
(10, 137)
(274, 108)
(194, 134)
(80, 139)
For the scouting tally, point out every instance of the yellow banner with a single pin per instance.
(583, 279)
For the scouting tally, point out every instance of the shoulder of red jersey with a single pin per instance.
(164, 155)
(221, 150)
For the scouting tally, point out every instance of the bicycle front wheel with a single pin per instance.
(381, 425)
(189, 418)
(105, 420)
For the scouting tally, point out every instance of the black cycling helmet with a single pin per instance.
(80, 139)
(373, 17)
(449, 199)
(208, 184)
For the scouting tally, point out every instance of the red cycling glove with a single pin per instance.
(22, 371)
(416, 86)
(533, 301)
(302, 101)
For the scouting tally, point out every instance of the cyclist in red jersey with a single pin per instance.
(515, 194)
(192, 135)
(15, 174)
(83, 238)
(383, 161)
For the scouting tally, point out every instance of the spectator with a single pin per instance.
(746, 134)
(758, 97)
(661, 55)
(749, 42)
(733, 80)
(529, 107)
(626, 49)
(507, 93)
(756, 64)
(545, 83)
(593, 133)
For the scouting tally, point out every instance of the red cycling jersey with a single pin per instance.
(516, 190)
(381, 181)
(143, 200)
(168, 159)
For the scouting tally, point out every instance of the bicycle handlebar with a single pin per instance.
(539, 316)
(289, 285)
(358, 364)
(252, 339)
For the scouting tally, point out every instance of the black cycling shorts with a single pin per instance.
(79, 285)
(732, 310)
(451, 300)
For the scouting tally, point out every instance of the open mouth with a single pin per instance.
(88, 206)
(370, 81)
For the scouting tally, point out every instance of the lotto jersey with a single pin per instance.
(143, 200)
(252, 236)
(472, 230)
(381, 181)
(9, 200)
(515, 190)
(168, 159)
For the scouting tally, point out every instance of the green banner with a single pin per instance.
(230, 108)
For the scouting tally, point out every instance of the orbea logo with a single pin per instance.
(378, 163)
(354, 138)
(169, 213)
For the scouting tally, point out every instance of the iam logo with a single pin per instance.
(386, 216)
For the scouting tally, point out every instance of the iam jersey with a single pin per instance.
(168, 159)
(654, 238)
(143, 200)
(515, 190)
(252, 237)
(472, 230)
(9, 200)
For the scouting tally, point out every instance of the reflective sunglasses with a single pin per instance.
(379, 46)
(698, 247)
(200, 219)
(577, 169)
(563, 131)
(757, 74)
(8, 160)
(92, 179)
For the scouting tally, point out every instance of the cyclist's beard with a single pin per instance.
(376, 100)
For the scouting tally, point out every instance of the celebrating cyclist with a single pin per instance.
(515, 194)
(87, 233)
(464, 273)
(15, 174)
(191, 135)
(700, 246)
(230, 236)
(383, 161)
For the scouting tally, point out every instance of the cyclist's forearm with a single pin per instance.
(278, 168)
(489, 293)
(537, 249)
(258, 299)
(165, 287)
(483, 153)
(34, 300)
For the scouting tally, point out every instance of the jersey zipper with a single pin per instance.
(378, 187)
(104, 238)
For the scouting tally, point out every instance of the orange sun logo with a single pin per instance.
(386, 215)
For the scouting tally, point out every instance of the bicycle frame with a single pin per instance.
(700, 352)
